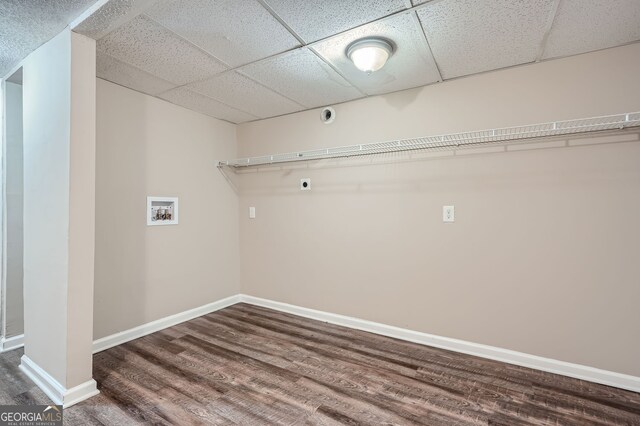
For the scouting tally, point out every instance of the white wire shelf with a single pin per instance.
(451, 141)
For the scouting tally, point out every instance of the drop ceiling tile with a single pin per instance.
(602, 23)
(197, 102)
(232, 32)
(319, 19)
(468, 36)
(110, 16)
(126, 75)
(302, 76)
(245, 94)
(411, 64)
(156, 50)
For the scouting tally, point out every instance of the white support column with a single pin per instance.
(59, 211)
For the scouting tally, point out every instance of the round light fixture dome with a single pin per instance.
(370, 54)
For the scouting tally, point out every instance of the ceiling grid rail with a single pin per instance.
(448, 141)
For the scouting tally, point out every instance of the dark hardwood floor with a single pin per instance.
(248, 365)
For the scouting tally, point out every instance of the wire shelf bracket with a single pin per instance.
(449, 141)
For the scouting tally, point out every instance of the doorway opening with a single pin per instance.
(11, 303)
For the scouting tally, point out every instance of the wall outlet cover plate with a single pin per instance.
(448, 214)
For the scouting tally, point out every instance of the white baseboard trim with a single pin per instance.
(591, 374)
(11, 343)
(596, 375)
(53, 389)
(151, 327)
(79, 393)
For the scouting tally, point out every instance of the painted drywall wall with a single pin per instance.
(47, 90)
(149, 147)
(2, 206)
(13, 304)
(542, 257)
(59, 137)
(82, 202)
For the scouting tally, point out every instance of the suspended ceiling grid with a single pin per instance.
(242, 60)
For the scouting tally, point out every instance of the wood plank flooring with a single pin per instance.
(248, 365)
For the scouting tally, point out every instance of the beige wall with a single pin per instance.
(148, 147)
(82, 202)
(13, 303)
(543, 255)
(46, 203)
(594, 84)
(59, 169)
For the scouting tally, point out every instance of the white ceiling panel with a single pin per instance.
(110, 16)
(410, 66)
(26, 24)
(245, 59)
(235, 35)
(156, 50)
(126, 75)
(580, 28)
(470, 36)
(314, 20)
(197, 102)
(302, 76)
(244, 94)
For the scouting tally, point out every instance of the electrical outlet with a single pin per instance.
(448, 214)
(252, 212)
(305, 184)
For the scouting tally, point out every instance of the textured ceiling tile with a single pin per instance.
(27, 24)
(234, 32)
(156, 50)
(468, 36)
(110, 16)
(302, 76)
(410, 66)
(580, 28)
(197, 102)
(123, 74)
(242, 93)
(319, 19)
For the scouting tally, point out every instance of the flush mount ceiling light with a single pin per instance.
(370, 54)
